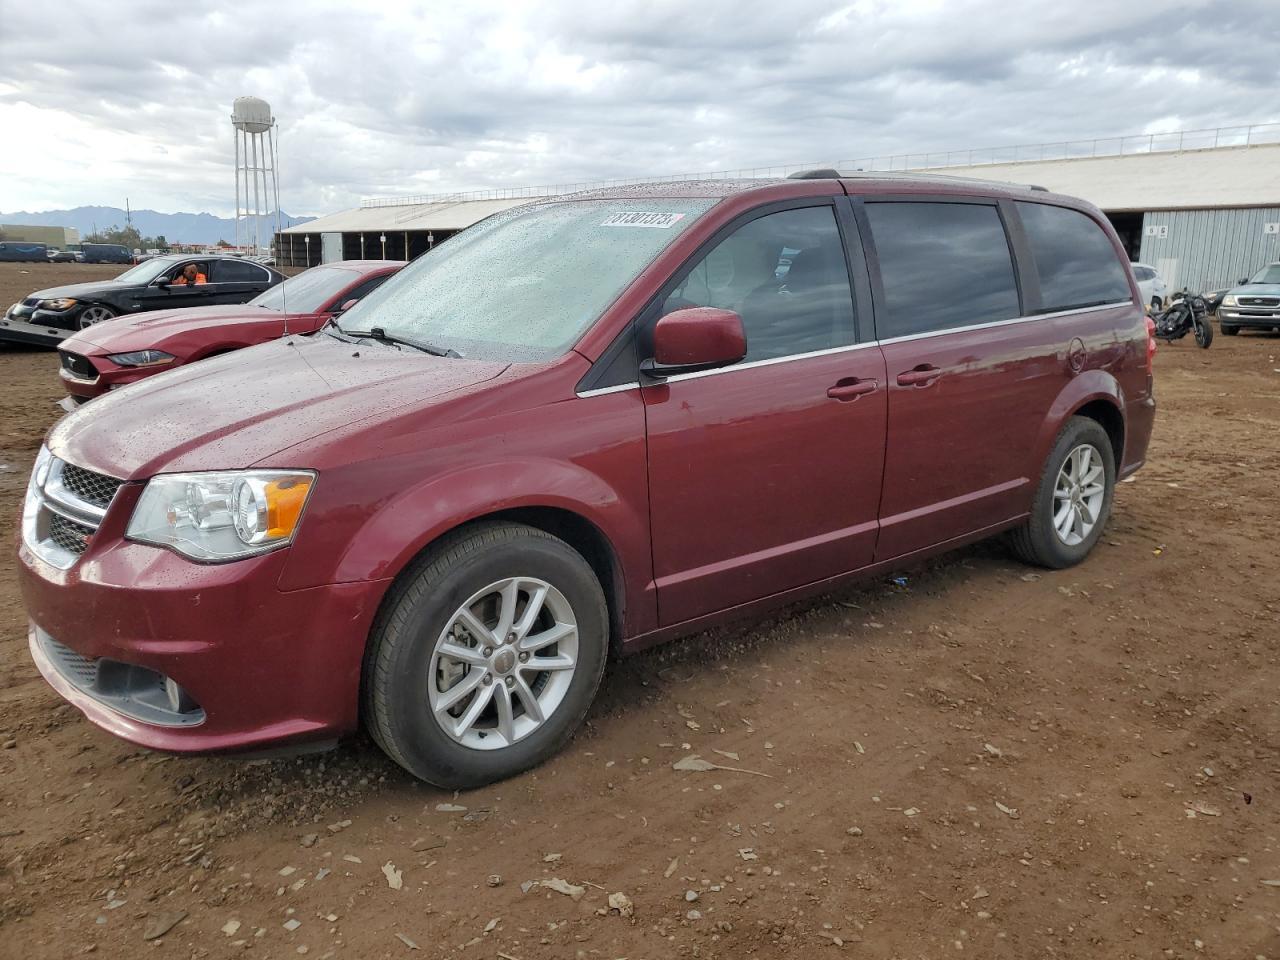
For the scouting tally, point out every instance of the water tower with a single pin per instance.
(257, 190)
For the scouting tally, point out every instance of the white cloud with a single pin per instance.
(99, 102)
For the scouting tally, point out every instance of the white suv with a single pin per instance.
(1151, 284)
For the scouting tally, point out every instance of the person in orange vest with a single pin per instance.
(190, 276)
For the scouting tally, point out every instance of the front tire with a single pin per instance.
(1203, 331)
(1227, 329)
(487, 654)
(1073, 500)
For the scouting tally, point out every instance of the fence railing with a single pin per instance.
(1239, 136)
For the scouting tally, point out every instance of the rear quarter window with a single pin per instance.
(1077, 265)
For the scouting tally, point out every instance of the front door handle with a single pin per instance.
(920, 376)
(851, 388)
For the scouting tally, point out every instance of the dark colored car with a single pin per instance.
(48, 317)
(62, 256)
(107, 356)
(1255, 305)
(20, 251)
(583, 426)
(105, 253)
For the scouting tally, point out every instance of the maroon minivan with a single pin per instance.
(582, 426)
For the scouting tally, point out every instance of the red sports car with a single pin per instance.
(128, 349)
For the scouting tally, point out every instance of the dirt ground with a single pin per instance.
(983, 760)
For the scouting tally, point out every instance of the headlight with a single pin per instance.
(141, 358)
(229, 515)
(59, 303)
(1229, 301)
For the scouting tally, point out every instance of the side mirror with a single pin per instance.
(161, 282)
(697, 338)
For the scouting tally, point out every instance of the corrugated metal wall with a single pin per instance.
(1205, 249)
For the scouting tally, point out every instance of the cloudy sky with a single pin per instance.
(102, 100)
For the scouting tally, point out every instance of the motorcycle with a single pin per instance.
(1186, 313)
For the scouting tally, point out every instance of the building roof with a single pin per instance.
(1219, 177)
(390, 216)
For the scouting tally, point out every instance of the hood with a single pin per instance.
(1256, 290)
(140, 331)
(78, 290)
(234, 410)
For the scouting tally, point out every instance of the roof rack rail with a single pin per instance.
(927, 175)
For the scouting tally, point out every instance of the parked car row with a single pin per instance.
(104, 357)
(584, 425)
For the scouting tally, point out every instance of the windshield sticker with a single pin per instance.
(663, 221)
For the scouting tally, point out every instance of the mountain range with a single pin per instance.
(202, 228)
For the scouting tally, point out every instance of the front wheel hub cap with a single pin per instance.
(521, 631)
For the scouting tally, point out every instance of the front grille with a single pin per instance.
(71, 536)
(1259, 301)
(94, 488)
(77, 365)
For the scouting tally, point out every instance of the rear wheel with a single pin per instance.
(1074, 498)
(94, 315)
(486, 657)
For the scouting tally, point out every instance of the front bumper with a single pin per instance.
(1262, 318)
(35, 327)
(264, 667)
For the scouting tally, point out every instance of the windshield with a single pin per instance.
(146, 271)
(525, 284)
(1268, 274)
(308, 292)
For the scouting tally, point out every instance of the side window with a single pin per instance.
(237, 271)
(363, 290)
(1077, 264)
(942, 265)
(1143, 274)
(785, 275)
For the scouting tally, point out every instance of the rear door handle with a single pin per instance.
(851, 388)
(920, 376)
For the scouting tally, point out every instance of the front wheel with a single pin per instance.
(1073, 500)
(486, 656)
(1203, 331)
(90, 316)
(1227, 329)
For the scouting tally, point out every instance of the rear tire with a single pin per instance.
(1062, 529)
(453, 690)
(1157, 303)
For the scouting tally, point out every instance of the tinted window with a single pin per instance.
(237, 271)
(785, 275)
(942, 265)
(362, 291)
(1077, 264)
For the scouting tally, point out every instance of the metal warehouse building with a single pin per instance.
(1202, 206)
(382, 229)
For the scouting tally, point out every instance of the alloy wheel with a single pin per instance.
(91, 315)
(1078, 494)
(503, 663)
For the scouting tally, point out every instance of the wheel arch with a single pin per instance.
(1094, 394)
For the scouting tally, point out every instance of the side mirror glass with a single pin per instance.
(696, 338)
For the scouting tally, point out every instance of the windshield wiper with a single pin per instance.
(381, 335)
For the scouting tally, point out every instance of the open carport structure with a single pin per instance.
(392, 228)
